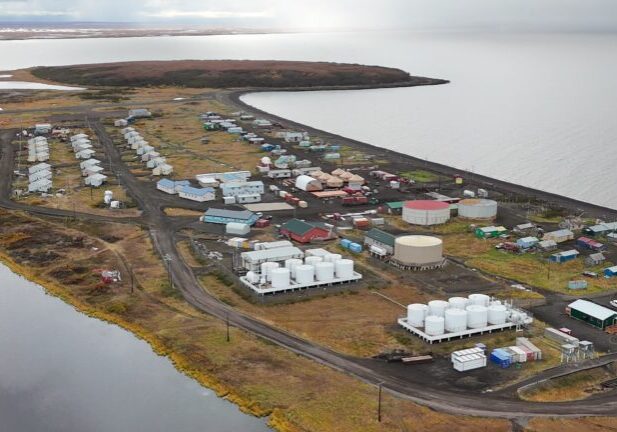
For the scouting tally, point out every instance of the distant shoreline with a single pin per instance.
(112, 33)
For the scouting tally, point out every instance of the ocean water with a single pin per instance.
(535, 109)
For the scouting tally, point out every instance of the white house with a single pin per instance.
(45, 174)
(42, 185)
(150, 155)
(171, 187)
(153, 163)
(242, 188)
(84, 154)
(121, 123)
(164, 169)
(130, 134)
(139, 143)
(139, 113)
(39, 167)
(82, 146)
(197, 194)
(88, 162)
(91, 170)
(95, 180)
(78, 137)
(127, 130)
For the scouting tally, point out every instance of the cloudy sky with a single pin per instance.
(332, 14)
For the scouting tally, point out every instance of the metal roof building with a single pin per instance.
(252, 260)
(377, 237)
(224, 216)
(592, 313)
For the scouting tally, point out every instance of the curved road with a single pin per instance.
(162, 231)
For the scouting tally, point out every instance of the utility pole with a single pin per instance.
(168, 259)
(227, 324)
(379, 403)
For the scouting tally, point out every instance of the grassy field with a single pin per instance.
(534, 270)
(422, 176)
(587, 424)
(576, 386)
(297, 394)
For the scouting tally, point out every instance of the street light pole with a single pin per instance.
(379, 403)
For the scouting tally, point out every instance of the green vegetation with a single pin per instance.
(421, 176)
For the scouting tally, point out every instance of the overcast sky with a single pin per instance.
(591, 15)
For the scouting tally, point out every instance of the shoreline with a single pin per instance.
(275, 420)
(233, 99)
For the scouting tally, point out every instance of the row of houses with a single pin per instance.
(147, 153)
(40, 178)
(38, 149)
(90, 167)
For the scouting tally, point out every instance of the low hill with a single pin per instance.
(231, 74)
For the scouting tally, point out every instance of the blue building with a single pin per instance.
(223, 216)
(562, 257)
(527, 242)
(610, 272)
(170, 186)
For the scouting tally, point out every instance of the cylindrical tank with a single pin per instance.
(266, 269)
(305, 274)
(458, 302)
(312, 260)
(344, 268)
(477, 316)
(252, 277)
(515, 317)
(332, 257)
(324, 271)
(291, 264)
(415, 314)
(426, 212)
(418, 250)
(437, 307)
(496, 314)
(280, 277)
(456, 320)
(434, 325)
(479, 299)
(108, 197)
(477, 208)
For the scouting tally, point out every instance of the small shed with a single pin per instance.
(565, 256)
(547, 245)
(121, 123)
(490, 231)
(395, 207)
(236, 228)
(595, 259)
(610, 272)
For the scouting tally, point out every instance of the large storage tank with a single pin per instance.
(266, 269)
(305, 274)
(458, 302)
(437, 307)
(418, 250)
(496, 314)
(344, 268)
(477, 208)
(434, 325)
(332, 257)
(252, 277)
(479, 299)
(456, 320)
(324, 271)
(291, 264)
(416, 313)
(477, 316)
(280, 277)
(312, 260)
(426, 212)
